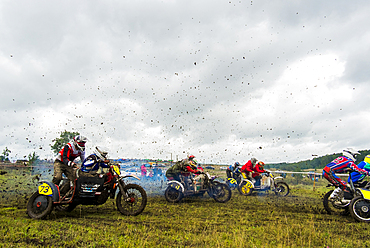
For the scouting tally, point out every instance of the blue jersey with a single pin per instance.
(356, 176)
(92, 164)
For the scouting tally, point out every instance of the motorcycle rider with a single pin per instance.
(358, 177)
(248, 168)
(257, 170)
(173, 173)
(94, 162)
(64, 161)
(339, 165)
(184, 168)
(232, 170)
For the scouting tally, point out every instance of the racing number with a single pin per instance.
(232, 180)
(177, 187)
(44, 189)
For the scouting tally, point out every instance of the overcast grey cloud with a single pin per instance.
(223, 80)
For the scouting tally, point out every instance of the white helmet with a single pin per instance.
(350, 153)
(101, 152)
(79, 142)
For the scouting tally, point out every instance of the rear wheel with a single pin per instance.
(281, 189)
(360, 209)
(335, 207)
(173, 195)
(221, 192)
(132, 201)
(39, 206)
(245, 188)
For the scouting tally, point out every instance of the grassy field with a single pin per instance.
(298, 220)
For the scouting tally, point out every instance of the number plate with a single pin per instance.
(116, 169)
(44, 189)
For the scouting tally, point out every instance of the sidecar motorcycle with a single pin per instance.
(268, 182)
(192, 186)
(131, 199)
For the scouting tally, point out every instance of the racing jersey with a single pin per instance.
(343, 164)
(247, 168)
(69, 153)
(257, 170)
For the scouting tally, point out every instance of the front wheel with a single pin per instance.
(245, 188)
(335, 207)
(173, 195)
(39, 206)
(360, 209)
(132, 201)
(281, 189)
(221, 192)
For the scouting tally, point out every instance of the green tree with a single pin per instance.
(64, 138)
(5, 155)
(33, 158)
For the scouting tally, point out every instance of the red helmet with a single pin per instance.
(191, 157)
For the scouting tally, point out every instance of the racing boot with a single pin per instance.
(347, 196)
(335, 194)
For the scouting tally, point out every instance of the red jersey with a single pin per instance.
(247, 168)
(257, 170)
(69, 153)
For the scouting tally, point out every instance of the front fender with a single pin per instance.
(365, 193)
(279, 177)
(176, 185)
(49, 189)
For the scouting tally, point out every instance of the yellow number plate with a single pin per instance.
(44, 189)
(116, 169)
(232, 180)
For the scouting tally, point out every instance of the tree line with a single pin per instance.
(315, 163)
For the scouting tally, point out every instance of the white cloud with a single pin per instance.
(222, 80)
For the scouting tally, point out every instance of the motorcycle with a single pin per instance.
(337, 206)
(195, 186)
(360, 206)
(268, 182)
(131, 199)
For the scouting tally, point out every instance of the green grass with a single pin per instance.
(298, 220)
(255, 221)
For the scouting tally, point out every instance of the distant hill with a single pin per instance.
(315, 163)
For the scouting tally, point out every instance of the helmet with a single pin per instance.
(237, 164)
(79, 142)
(101, 152)
(367, 159)
(253, 160)
(191, 157)
(350, 153)
(261, 163)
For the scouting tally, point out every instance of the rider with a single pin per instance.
(248, 168)
(99, 159)
(64, 161)
(340, 165)
(179, 167)
(232, 169)
(257, 170)
(185, 167)
(358, 177)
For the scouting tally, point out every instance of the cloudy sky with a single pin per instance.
(224, 80)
